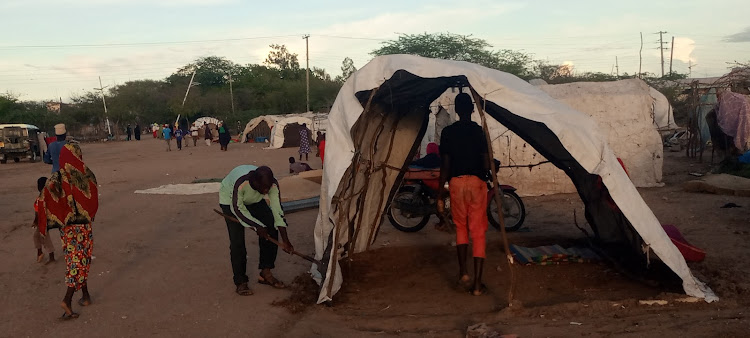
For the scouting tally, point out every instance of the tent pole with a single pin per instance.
(496, 196)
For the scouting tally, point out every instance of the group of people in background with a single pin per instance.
(130, 132)
(166, 133)
(304, 149)
(304, 143)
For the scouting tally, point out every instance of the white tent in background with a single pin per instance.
(285, 132)
(662, 113)
(380, 116)
(200, 122)
(213, 124)
(627, 112)
(260, 126)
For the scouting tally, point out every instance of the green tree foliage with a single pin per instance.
(347, 69)
(287, 63)
(211, 71)
(276, 88)
(440, 46)
(450, 46)
(320, 73)
(14, 111)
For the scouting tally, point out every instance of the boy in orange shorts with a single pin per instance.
(465, 164)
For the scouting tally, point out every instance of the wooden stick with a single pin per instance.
(306, 257)
(496, 197)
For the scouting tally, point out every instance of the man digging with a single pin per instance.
(242, 194)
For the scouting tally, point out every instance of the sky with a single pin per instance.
(56, 49)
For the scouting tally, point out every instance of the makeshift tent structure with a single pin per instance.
(260, 126)
(213, 124)
(662, 112)
(285, 132)
(206, 120)
(380, 116)
(733, 116)
(624, 112)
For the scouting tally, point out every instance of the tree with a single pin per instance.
(440, 46)
(210, 71)
(280, 57)
(259, 89)
(450, 46)
(347, 69)
(550, 72)
(321, 73)
(142, 101)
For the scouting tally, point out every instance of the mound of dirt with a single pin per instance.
(410, 279)
(304, 294)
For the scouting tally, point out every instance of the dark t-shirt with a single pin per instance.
(464, 142)
(430, 161)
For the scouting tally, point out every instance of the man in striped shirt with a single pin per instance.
(242, 194)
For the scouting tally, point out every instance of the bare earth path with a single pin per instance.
(162, 264)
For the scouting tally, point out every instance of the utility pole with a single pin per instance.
(188, 88)
(106, 116)
(690, 68)
(307, 65)
(671, 55)
(231, 93)
(661, 49)
(617, 65)
(640, 58)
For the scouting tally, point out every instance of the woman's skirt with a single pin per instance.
(78, 244)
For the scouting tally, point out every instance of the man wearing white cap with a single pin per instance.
(52, 156)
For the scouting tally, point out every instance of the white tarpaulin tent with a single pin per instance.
(270, 121)
(623, 110)
(380, 116)
(663, 114)
(213, 124)
(315, 123)
(206, 120)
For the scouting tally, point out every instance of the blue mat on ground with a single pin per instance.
(552, 254)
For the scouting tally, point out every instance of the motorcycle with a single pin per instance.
(416, 200)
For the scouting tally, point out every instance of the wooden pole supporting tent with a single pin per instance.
(496, 196)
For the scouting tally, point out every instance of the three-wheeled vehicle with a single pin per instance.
(19, 141)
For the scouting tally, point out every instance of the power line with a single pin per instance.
(349, 37)
(142, 43)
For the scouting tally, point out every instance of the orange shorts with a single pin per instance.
(469, 210)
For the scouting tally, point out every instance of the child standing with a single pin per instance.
(167, 136)
(178, 136)
(41, 237)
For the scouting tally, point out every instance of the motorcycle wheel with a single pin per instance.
(514, 212)
(406, 223)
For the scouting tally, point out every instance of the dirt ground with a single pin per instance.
(161, 264)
